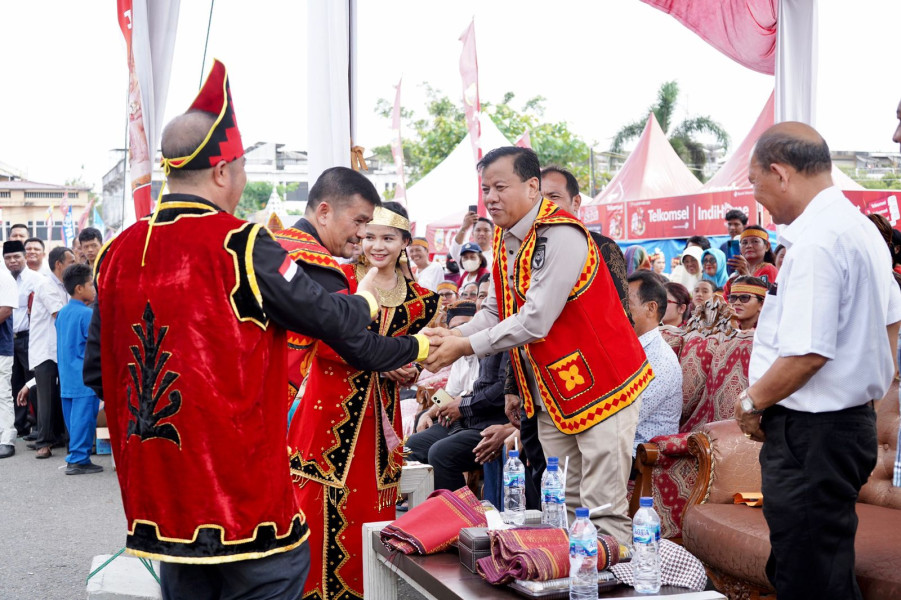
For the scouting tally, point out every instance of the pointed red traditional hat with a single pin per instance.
(223, 141)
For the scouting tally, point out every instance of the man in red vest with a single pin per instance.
(187, 348)
(577, 361)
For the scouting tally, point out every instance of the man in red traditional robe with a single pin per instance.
(340, 204)
(188, 350)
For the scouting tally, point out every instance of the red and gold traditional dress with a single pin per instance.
(345, 444)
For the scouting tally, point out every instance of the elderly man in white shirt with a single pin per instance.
(823, 352)
(49, 297)
(661, 402)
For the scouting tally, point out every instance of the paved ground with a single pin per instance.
(52, 525)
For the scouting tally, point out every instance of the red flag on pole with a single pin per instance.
(397, 150)
(469, 71)
(138, 148)
(83, 219)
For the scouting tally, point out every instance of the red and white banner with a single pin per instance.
(472, 107)
(675, 217)
(703, 214)
(397, 149)
(149, 29)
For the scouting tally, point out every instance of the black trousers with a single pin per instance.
(812, 468)
(51, 426)
(275, 577)
(450, 454)
(21, 374)
(534, 461)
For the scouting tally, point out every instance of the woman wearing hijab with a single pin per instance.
(689, 272)
(713, 264)
(636, 258)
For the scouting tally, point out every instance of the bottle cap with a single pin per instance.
(513, 454)
(553, 460)
(646, 501)
(581, 512)
(553, 467)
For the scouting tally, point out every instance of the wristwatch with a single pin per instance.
(747, 404)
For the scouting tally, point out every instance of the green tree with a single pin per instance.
(682, 137)
(437, 134)
(254, 198)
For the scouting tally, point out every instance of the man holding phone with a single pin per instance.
(482, 234)
(736, 221)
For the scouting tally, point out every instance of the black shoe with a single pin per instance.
(32, 445)
(30, 437)
(7, 450)
(83, 469)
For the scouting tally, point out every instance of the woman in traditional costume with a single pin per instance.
(347, 458)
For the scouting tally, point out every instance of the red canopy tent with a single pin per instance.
(702, 212)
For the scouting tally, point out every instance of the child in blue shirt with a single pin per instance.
(80, 403)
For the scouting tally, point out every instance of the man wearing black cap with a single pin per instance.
(188, 349)
(26, 281)
(9, 299)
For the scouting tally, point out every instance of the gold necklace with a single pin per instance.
(388, 298)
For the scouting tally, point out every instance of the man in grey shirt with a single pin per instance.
(599, 451)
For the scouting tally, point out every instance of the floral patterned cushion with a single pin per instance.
(727, 377)
(672, 480)
(697, 356)
(672, 445)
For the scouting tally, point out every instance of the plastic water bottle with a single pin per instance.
(553, 496)
(514, 490)
(583, 558)
(646, 548)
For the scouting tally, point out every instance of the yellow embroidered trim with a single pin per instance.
(250, 273)
(202, 560)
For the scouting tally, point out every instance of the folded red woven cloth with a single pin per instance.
(435, 524)
(536, 554)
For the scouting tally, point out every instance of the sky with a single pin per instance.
(598, 63)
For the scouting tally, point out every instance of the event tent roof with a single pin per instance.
(653, 170)
(734, 172)
(453, 185)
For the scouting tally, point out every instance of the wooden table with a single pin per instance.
(442, 577)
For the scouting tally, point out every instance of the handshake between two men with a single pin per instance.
(445, 345)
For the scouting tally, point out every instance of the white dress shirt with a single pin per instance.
(431, 276)
(462, 376)
(49, 297)
(27, 281)
(835, 297)
(661, 401)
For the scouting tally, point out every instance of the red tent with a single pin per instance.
(653, 170)
(702, 212)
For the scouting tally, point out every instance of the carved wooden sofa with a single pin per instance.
(714, 362)
(733, 540)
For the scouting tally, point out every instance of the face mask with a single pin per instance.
(471, 265)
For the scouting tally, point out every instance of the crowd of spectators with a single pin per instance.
(44, 318)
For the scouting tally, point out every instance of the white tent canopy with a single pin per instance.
(452, 186)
